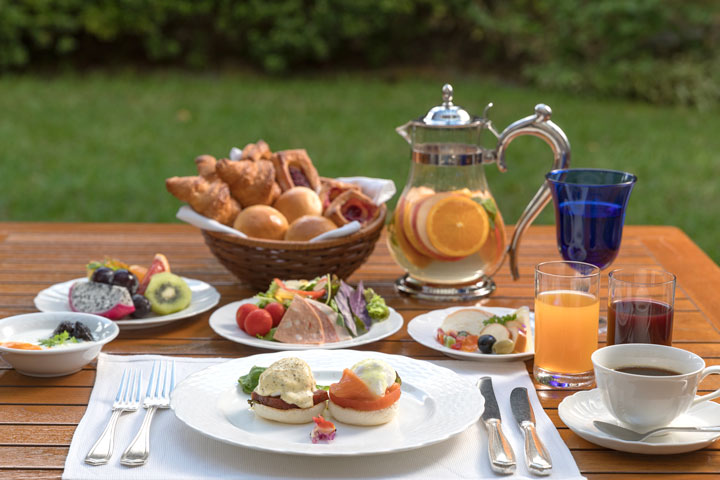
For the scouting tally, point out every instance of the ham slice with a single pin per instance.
(329, 319)
(309, 322)
(300, 324)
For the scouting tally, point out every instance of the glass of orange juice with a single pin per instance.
(567, 310)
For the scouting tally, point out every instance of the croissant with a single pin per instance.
(351, 205)
(251, 183)
(206, 167)
(330, 189)
(293, 168)
(256, 151)
(211, 199)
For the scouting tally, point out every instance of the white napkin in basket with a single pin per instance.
(178, 452)
(188, 215)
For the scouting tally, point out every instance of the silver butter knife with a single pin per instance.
(536, 455)
(502, 457)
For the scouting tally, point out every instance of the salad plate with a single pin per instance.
(222, 321)
(579, 410)
(423, 329)
(204, 297)
(212, 403)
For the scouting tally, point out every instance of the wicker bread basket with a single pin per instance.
(256, 262)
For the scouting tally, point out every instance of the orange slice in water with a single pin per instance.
(457, 226)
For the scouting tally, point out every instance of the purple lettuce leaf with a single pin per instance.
(358, 304)
(342, 301)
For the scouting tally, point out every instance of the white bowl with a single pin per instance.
(56, 361)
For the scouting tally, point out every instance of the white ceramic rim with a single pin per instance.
(68, 348)
(649, 346)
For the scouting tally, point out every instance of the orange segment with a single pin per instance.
(21, 345)
(457, 226)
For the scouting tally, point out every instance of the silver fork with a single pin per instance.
(160, 385)
(126, 400)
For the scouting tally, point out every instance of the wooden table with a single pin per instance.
(38, 416)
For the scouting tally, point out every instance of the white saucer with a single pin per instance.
(579, 410)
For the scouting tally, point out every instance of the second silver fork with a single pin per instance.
(160, 385)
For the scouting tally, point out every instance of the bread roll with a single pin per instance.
(298, 201)
(308, 227)
(261, 221)
(292, 415)
(362, 417)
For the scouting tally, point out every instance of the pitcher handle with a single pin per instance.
(538, 125)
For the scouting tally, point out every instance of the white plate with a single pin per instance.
(435, 404)
(423, 329)
(204, 297)
(579, 410)
(223, 322)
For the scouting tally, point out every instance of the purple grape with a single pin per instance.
(103, 275)
(124, 278)
(82, 332)
(142, 306)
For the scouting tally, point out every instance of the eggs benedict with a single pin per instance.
(367, 394)
(286, 392)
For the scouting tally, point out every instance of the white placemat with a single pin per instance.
(179, 452)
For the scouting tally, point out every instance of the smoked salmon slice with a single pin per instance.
(352, 392)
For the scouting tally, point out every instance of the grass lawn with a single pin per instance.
(98, 147)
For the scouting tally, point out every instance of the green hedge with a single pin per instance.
(657, 50)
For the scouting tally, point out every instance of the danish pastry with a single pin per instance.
(330, 189)
(351, 205)
(251, 183)
(293, 168)
(211, 199)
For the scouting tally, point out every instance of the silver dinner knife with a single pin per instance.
(502, 457)
(536, 455)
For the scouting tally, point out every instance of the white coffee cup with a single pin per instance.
(645, 402)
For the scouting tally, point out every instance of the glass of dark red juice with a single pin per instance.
(640, 306)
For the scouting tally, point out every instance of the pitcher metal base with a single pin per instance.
(435, 292)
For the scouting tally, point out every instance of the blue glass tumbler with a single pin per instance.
(590, 209)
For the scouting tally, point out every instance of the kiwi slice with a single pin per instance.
(168, 293)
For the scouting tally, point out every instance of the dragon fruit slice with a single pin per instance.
(110, 301)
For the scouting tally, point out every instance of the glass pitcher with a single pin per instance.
(447, 231)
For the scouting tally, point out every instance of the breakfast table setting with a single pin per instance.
(299, 326)
(49, 424)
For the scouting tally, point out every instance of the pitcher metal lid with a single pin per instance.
(447, 114)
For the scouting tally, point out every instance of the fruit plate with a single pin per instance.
(204, 297)
(211, 402)
(423, 329)
(223, 322)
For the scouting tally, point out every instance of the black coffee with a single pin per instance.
(651, 371)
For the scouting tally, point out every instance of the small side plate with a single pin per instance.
(423, 329)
